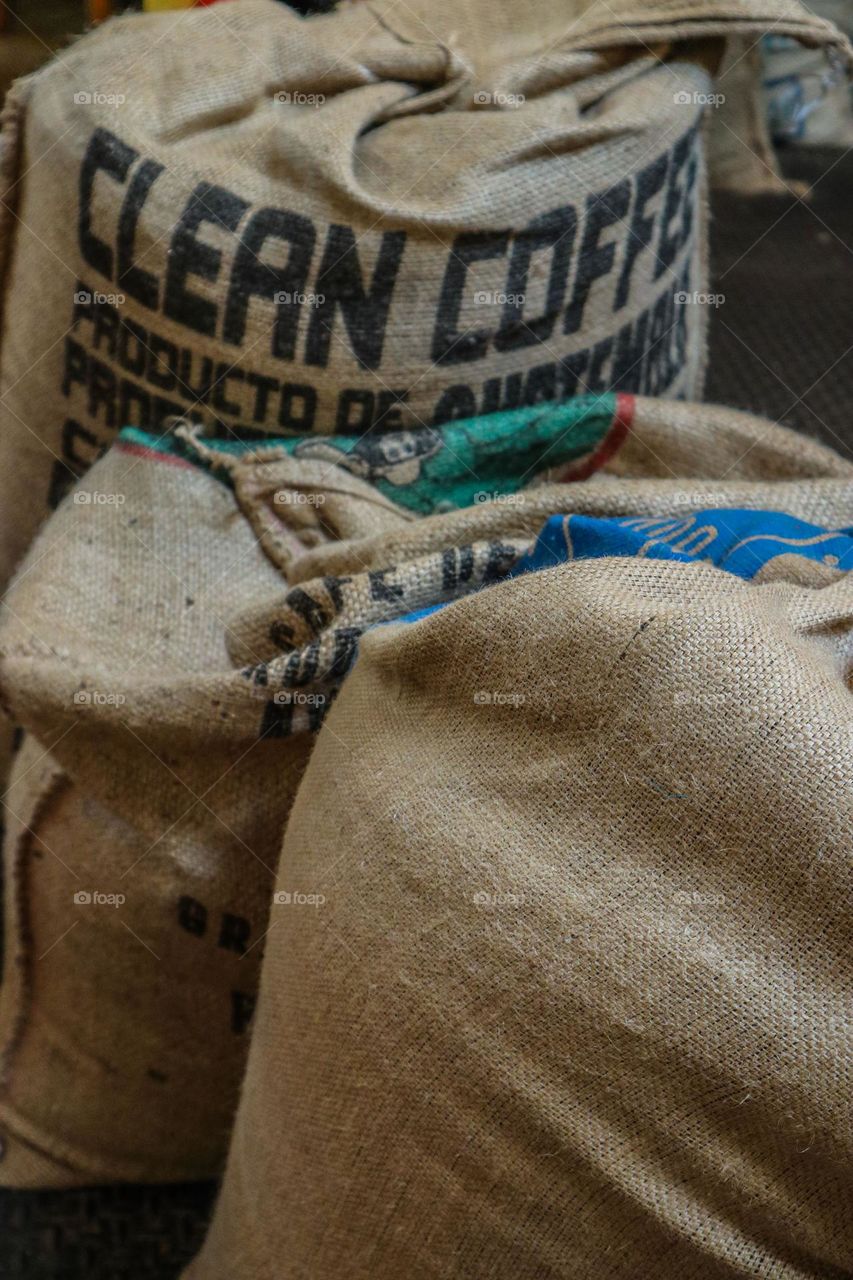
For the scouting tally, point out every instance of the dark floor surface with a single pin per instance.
(782, 342)
(780, 345)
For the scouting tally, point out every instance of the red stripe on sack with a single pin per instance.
(611, 444)
(153, 455)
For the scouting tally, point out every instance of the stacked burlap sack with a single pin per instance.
(400, 241)
(653, 757)
(385, 217)
(808, 102)
(162, 765)
(559, 972)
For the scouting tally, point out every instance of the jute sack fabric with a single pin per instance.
(142, 835)
(146, 810)
(673, 457)
(559, 974)
(384, 216)
(673, 460)
(173, 638)
(740, 150)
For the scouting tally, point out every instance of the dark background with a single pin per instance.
(782, 342)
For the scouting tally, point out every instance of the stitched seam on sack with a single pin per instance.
(14, 121)
(22, 937)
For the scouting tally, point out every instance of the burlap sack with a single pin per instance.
(558, 980)
(151, 647)
(394, 214)
(146, 811)
(140, 850)
(808, 103)
(740, 149)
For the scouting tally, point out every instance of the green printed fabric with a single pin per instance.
(431, 469)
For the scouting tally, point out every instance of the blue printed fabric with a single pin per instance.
(740, 541)
(737, 540)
